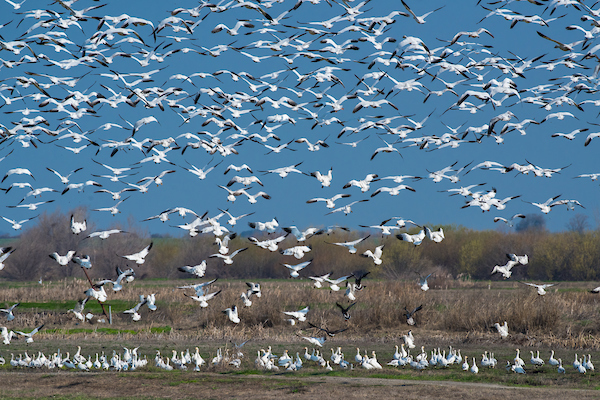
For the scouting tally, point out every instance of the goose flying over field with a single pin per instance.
(228, 258)
(334, 283)
(269, 226)
(345, 310)
(63, 260)
(296, 251)
(232, 314)
(375, 254)
(9, 312)
(300, 315)
(329, 202)
(269, 244)
(541, 289)
(203, 299)
(84, 261)
(78, 227)
(135, 316)
(295, 269)
(409, 315)
(302, 236)
(319, 280)
(351, 245)
(423, 282)
(415, 239)
(104, 234)
(140, 256)
(435, 236)
(327, 331)
(78, 309)
(502, 329)
(505, 270)
(121, 275)
(29, 336)
(6, 251)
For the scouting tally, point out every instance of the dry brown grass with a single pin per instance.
(455, 309)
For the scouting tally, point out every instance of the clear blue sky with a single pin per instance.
(428, 205)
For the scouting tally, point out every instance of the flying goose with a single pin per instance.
(409, 315)
(78, 309)
(9, 312)
(77, 227)
(541, 289)
(300, 315)
(63, 260)
(296, 251)
(319, 280)
(295, 269)
(203, 299)
(228, 259)
(327, 331)
(415, 239)
(232, 314)
(335, 282)
(502, 330)
(329, 202)
(29, 336)
(375, 255)
(6, 251)
(134, 311)
(345, 310)
(139, 257)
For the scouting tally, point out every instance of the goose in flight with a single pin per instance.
(327, 331)
(314, 340)
(203, 298)
(325, 179)
(228, 259)
(435, 236)
(302, 236)
(502, 329)
(345, 310)
(104, 234)
(296, 251)
(224, 243)
(6, 335)
(84, 262)
(541, 289)
(140, 256)
(375, 255)
(63, 260)
(546, 206)
(347, 209)
(117, 286)
(509, 221)
(270, 244)
(9, 312)
(393, 191)
(351, 246)
(29, 336)
(319, 280)
(232, 314)
(415, 239)
(423, 282)
(334, 283)
(97, 292)
(295, 269)
(523, 260)
(505, 270)
(17, 171)
(330, 202)
(300, 315)
(409, 315)
(78, 309)
(135, 316)
(421, 19)
(364, 184)
(4, 253)
(269, 226)
(569, 203)
(76, 226)
(233, 220)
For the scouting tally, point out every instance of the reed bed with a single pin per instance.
(452, 310)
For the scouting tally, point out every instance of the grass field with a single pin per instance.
(455, 313)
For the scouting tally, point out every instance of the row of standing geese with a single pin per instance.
(130, 360)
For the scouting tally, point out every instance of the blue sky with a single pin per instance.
(429, 204)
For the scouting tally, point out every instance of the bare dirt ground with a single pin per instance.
(142, 385)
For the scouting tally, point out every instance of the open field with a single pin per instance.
(455, 313)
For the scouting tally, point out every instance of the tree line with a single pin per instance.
(573, 254)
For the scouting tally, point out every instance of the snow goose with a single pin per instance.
(63, 260)
(232, 314)
(364, 184)
(541, 289)
(296, 251)
(503, 330)
(325, 179)
(561, 369)
(104, 234)
(228, 259)
(536, 360)
(409, 340)
(436, 236)
(17, 225)
(329, 333)
(333, 283)
(295, 269)
(7, 251)
(505, 270)
(299, 315)
(224, 242)
(270, 244)
(423, 282)
(6, 335)
(197, 270)
(319, 280)
(329, 202)
(350, 245)
(78, 309)
(134, 311)
(139, 257)
(9, 311)
(409, 315)
(552, 361)
(301, 236)
(375, 255)
(509, 221)
(254, 288)
(316, 341)
(474, 369)
(203, 298)
(29, 335)
(415, 239)
(269, 226)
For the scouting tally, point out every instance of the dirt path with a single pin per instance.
(23, 385)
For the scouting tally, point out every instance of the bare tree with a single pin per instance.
(578, 223)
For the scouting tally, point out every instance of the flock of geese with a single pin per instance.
(344, 83)
(266, 360)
